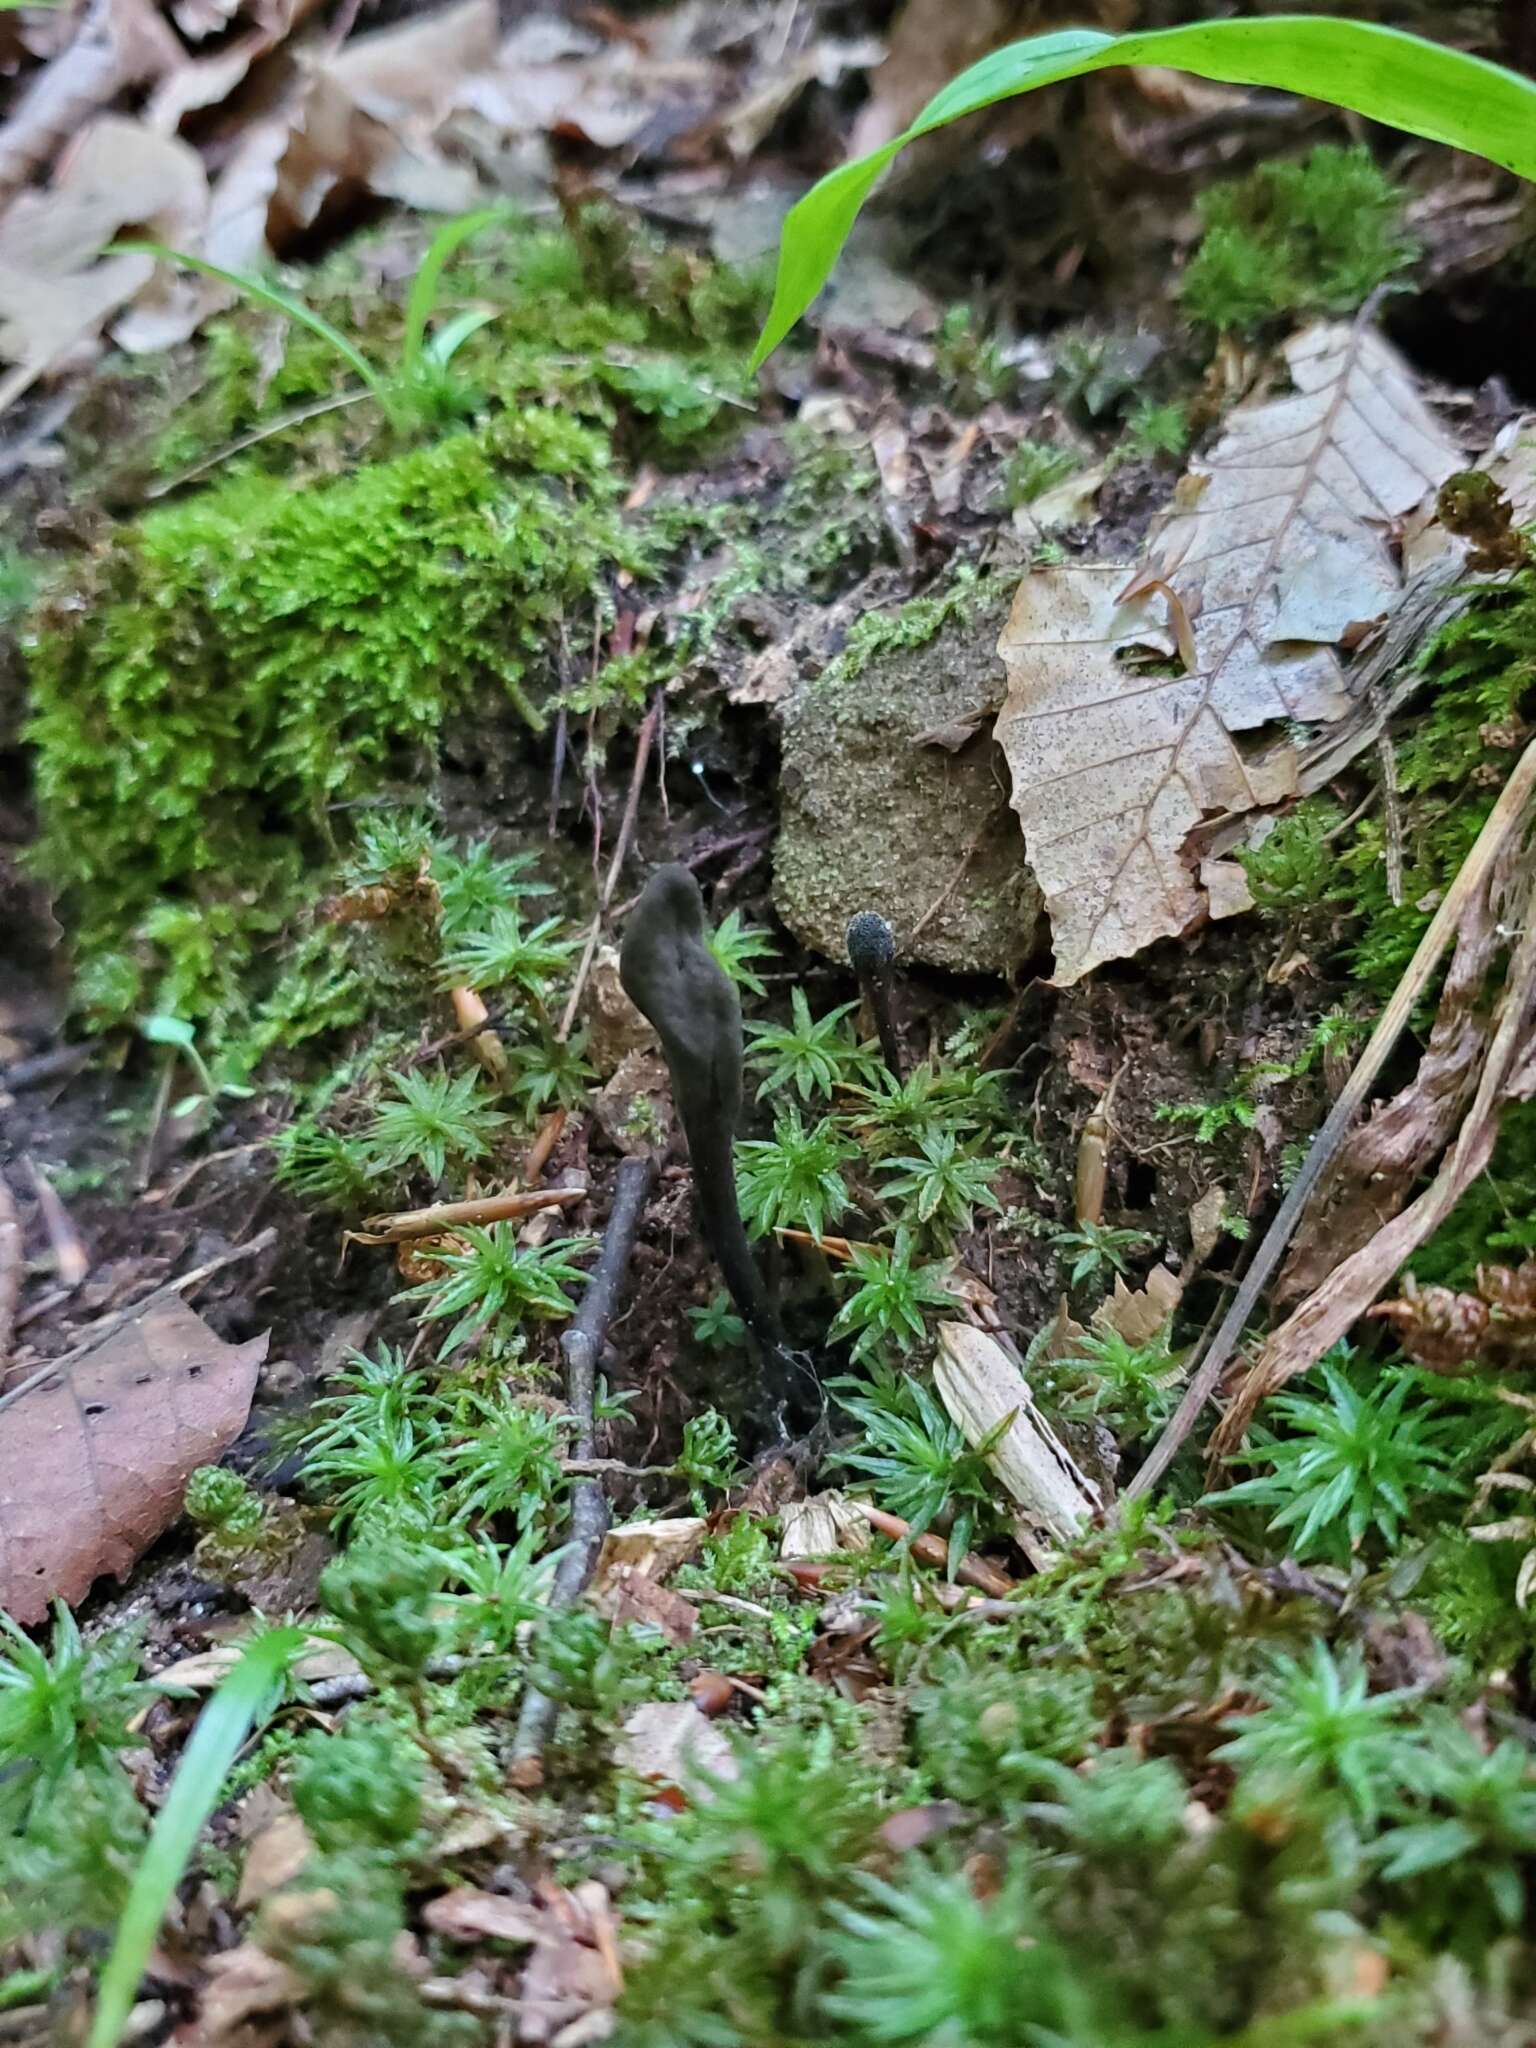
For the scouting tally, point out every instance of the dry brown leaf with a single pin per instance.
(55, 295)
(97, 1456)
(667, 1741)
(574, 1975)
(244, 1983)
(980, 1386)
(1276, 546)
(1140, 1313)
(118, 43)
(277, 1853)
(470, 1915)
(627, 1594)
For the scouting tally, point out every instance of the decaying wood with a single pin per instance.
(981, 1387)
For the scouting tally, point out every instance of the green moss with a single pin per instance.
(1295, 238)
(964, 596)
(1480, 682)
(236, 664)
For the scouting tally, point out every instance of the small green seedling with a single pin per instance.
(177, 1032)
(415, 391)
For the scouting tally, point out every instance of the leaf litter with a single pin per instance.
(1277, 548)
(97, 1454)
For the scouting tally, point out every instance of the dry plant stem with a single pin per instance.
(99, 1332)
(10, 1270)
(581, 1347)
(71, 1260)
(43, 1067)
(503, 1208)
(643, 743)
(544, 1143)
(1508, 1074)
(296, 418)
(1475, 869)
(971, 1571)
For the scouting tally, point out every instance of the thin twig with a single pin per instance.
(544, 1143)
(643, 743)
(100, 1331)
(296, 418)
(10, 1270)
(581, 1348)
(440, 1216)
(71, 1260)
(1387, 754)
(1504, 816)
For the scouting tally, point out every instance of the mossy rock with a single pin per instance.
(873, 819)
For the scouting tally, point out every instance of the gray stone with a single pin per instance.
(872, 820)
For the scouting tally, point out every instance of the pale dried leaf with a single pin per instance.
(820, 1525)
(1072, 502)
(470, 1915)
(118, 43)
(573, 1976)
(244, 1982)
(1205, 1221)
(667, 1741)
(980, 1385)
(1140, 1313)
(202, 1672)
(97, 1456)
(278, 1852)
(1276, 547)
(54, 292)
(654, 1548)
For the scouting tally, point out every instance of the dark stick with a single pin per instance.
(871, 953)
(557, 772)
(581, 1347)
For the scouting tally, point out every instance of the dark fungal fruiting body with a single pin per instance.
(672, 978)
(872, 955)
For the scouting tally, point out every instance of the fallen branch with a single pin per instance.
(1504, 818)
(581, 1347)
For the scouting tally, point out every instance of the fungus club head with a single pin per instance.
(871, 944)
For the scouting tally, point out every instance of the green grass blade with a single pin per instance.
(271, 295)
(424, 285)
(1383, 73)
(242, 1699)
(452, 335)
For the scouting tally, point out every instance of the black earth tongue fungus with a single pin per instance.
(672, 978)
(872, 955)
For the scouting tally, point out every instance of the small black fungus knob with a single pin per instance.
(871, 952)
